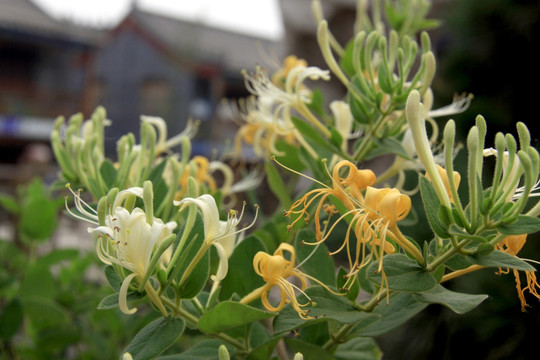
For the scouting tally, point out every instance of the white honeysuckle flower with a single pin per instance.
(249, 182)
(229, 188)
(294, 93)
(459, 104)
(126, 239)
(268, 116)
(164, 144)
(217, 233)
(129, 241)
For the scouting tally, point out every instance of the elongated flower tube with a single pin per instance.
(416, 119)
(128, 240)
(217, 233)
(275, 270)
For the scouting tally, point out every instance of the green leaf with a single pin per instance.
(9, 203)
(11, 319)
(317, 103)
(290, 157)
(363, 348)
(241, 277)
(263, 351)
(385, 78)
(317, 333)
(108, 173)
(205, 350)
(229, 314)
(402, 274)
(310, 351)
(347, 60)
(115, 281)
(155, 338)
(277, 185)
(56, 256)
(522, 225)
(258, 334)
(111, 301)
(328, 306)
(37, 282)
(388, 315)
(44, 312)
(387, 145)
(459, 303)
(320, 265)
(198, 277)
(431, 207)
(500, 259)
(38, 218)
(335, 137)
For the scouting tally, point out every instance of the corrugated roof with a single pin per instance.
(23, 16)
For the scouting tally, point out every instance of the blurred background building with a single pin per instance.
(154, 64)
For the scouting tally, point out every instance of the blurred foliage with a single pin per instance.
(46, 311)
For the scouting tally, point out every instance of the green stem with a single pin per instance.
(337, 338)
(193, 263)
(192, 212)
(155, 299)
(446, 256)
(195, 321)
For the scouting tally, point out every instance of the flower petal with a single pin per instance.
(122, 295)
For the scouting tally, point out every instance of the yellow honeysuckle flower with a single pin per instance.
(198, 168)
(512, 245)
(372, 215)
(444, 176)
(289, 63)
(275, 270)
(347, 189)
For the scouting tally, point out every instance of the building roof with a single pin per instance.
(23, 17)
(200, 42)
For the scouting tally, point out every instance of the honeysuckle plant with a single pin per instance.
(334, 264)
